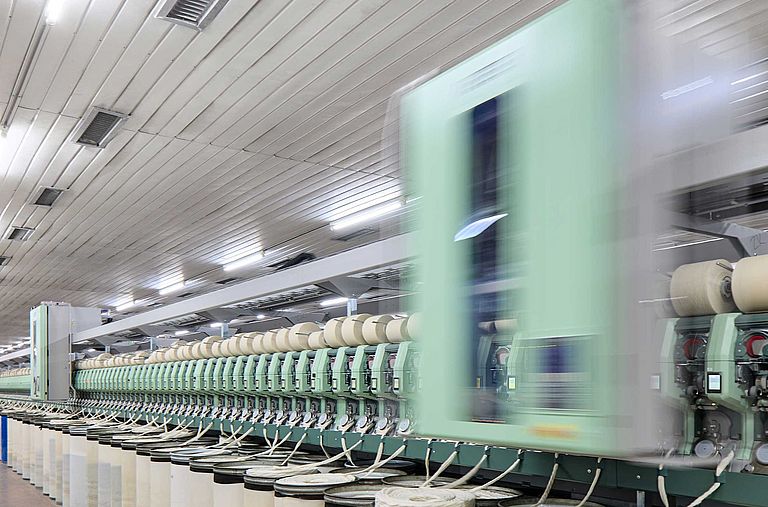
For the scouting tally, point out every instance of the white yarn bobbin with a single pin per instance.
(316, 341)
(332, 332)
(375, 329)
(298, 337)
(397, 330)
(269, 342)
(702, 288)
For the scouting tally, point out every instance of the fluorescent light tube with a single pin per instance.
(172, 288)
(216, 324)
(334, 301)
(687, 244)
(126, 306)
(261, 316)
(52, 11)
(244, 261)
(181, 332)
(366, 215)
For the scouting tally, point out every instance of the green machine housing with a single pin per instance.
(516, 157)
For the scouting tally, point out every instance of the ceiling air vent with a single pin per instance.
(191, 13)
(4, 260)
(98, 127)
(46, 196)
(20, 233)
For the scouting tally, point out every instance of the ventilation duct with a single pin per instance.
(20, 233)
(98, 127)
(190, 13)
(46, 196)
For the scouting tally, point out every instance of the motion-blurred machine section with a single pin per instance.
(51, 326)
(712, 423)
(737, 364)
(714, 365)
(358, 373)
(15, 381)
(527, 289)
(707, 426)
(737, 378)
(493, 381)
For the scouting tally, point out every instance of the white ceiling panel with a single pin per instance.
(251, 134)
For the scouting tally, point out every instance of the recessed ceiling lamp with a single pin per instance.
(366, 215)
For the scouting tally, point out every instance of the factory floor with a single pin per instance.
(16, 492)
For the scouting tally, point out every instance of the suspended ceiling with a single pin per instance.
(251, 134)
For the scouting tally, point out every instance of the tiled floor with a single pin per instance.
(15, 491)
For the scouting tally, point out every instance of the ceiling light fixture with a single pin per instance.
(181, 332)
(31, 53)
(261, 316)
(172, 288)
(126, 306)
(334, 301)
(366, 215)
(52, 11)
(244, 261)
(216, 324)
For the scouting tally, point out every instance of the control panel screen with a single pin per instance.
(714, 383)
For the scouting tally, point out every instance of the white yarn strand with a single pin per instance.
(440, 470)
(500, 476)
(718, 471)
(550, 483)
(468, 476)
(592, 486)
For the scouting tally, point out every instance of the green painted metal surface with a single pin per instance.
(553, 86)
(16, 384)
